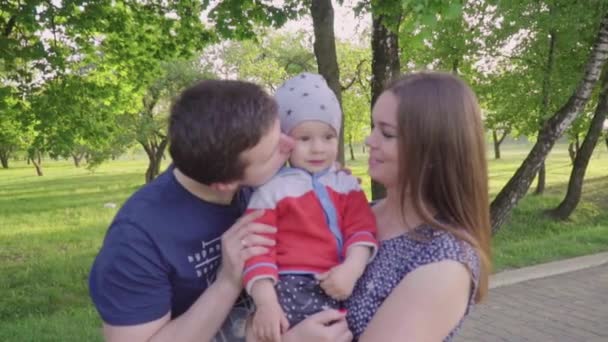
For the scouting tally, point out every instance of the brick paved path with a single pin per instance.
(570, 307)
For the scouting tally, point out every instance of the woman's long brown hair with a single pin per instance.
(442, 159)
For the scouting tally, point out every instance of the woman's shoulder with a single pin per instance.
(430, 245)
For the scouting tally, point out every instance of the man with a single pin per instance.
(171, 262)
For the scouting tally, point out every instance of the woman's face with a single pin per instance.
(382, 142)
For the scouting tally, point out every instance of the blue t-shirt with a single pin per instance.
(160, 253)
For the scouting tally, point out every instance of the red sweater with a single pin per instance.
(318, 218)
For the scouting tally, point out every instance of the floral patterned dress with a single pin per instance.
(396, 258)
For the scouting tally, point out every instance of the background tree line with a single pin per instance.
(88, 79)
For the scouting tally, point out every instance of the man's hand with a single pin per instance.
(269, 322)
(241, 242)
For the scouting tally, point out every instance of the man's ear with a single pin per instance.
(225, 187)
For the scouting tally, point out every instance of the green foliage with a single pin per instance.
(85, 69)
(517, 41)
(239, 19)
(54, 226)
(268, 61)
(355, 68)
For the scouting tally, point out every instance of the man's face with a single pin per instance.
(266, 158)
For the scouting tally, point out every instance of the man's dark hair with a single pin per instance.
(212, 122)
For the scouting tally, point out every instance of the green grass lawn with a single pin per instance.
(51, 227)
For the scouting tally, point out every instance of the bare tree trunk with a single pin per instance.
(352, 150)
(496, 145)
(583, 155)
(552, 130)
(5, 154)
(498, 141)
(572, 152)
(155, 153)
(544, 107)
(77, 157)
(541, 179)
(322, 13)
(385, 64)
(36, 159)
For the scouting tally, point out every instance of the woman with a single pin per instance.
(427, 148)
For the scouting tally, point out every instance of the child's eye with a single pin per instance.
(304, 138)
(330, 136)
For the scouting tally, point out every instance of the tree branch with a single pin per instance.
(505, 132)
(350, 84)
(10, 25)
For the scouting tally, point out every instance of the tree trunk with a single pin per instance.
(583, 155)
(77, 158)
(541, 181)
(572, 152)
(352, 151)
(544, 106)
(155, 152)
(498, 141)
(324, 46)
(496, 145)
(606, 140)
(4, 157)
(552, 130)
(385, 64)
(36, 159)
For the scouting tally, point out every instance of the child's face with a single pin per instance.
(316, 146)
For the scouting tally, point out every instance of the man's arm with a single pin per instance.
(200, 323)
(205, 317)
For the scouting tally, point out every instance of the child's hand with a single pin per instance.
(269, 322)
(339, 282)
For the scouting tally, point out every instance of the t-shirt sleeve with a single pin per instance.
(129, 281)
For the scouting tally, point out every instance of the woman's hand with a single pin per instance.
(328, 325)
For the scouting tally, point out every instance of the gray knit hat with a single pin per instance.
(307, 97)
